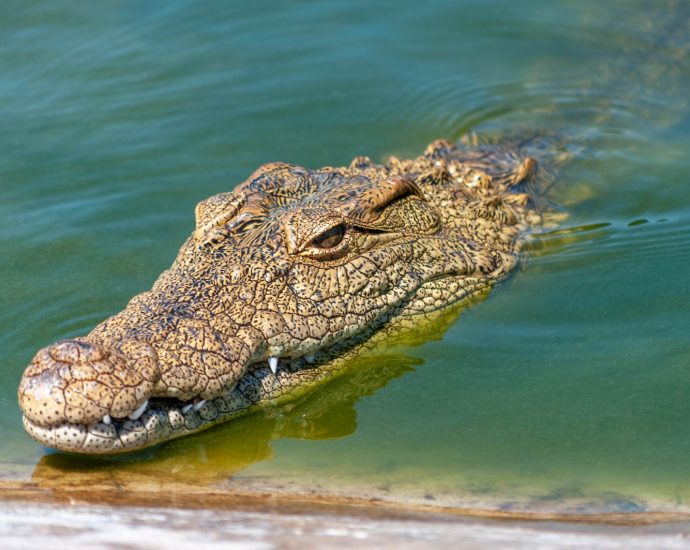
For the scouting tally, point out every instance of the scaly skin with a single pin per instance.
(293, 272)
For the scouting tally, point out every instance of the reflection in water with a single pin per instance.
(215, 455)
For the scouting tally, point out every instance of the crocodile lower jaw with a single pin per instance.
(163, 419)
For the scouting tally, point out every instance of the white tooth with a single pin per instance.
(309, 358)
(107, 420)
(187, 408)
(273, 363)
(134, 415)
(199, 404)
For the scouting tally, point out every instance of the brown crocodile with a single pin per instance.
(282, 280)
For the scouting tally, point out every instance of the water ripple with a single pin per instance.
(580, 107)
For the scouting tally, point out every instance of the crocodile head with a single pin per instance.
(280, 278)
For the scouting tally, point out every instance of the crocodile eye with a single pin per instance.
(331, 238)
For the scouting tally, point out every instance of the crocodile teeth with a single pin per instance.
(273, 363)
(199, 404)
(135, 414)
(309, 358)
(187, 408)
(107, 420)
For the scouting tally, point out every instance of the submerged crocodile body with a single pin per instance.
(283, 279)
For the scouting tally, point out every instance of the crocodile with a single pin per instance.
(282, 280)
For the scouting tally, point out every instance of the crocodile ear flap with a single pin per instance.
(368, 205)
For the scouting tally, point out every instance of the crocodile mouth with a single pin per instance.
(164, 418)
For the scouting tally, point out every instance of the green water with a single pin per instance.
(570, 380)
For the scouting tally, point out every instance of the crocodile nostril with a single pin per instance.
(76, 351)
(81, 382)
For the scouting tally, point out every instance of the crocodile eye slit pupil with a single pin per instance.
(330, 238)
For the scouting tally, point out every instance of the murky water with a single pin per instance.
(570, 381)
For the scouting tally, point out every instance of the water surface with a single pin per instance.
(569, 382)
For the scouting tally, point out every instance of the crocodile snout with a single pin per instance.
(82, 382)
